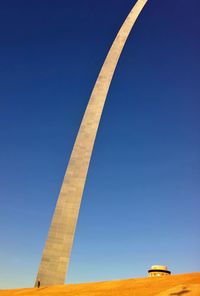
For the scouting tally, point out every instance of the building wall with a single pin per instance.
(159, 273)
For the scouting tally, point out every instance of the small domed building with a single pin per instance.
(158, 270)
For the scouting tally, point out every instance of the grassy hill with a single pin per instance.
(176, 285)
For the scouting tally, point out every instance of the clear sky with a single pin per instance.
(141, 201)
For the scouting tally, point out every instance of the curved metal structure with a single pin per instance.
(56, 254)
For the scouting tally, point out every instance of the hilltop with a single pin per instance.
(177, 285)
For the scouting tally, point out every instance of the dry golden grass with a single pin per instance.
(176, 285)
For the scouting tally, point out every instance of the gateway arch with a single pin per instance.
(56, 254)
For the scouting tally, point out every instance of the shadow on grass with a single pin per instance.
(183, 292)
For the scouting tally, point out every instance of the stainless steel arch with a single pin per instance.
(56, 254)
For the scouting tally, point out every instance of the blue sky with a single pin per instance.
(141, 201)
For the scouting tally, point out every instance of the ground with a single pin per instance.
(174, 285)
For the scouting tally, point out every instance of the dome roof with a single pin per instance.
(159, 267)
